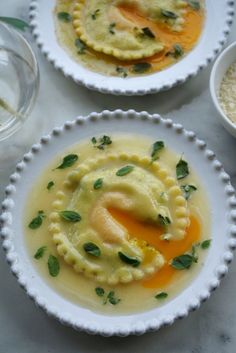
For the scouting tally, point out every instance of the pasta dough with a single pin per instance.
(119, 214)
(102, 26)
(173, 26)
(147, 192)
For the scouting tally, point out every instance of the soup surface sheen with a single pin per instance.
(128, 41)
(113, 184)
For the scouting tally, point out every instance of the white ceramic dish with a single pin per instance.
(220, 67)
(214, 180)
(214, 36)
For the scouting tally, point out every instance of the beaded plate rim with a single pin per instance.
(138, 326)
(112, 85)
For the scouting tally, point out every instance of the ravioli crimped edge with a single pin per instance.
(124, 273)
(106, 49)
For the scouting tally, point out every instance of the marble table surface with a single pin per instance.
(26, 329)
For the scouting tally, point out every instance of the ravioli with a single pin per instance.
(132, 184)
(118, 224)
(126, 38)
(165, 11)
(103, 27)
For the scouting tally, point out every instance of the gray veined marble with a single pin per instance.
(26, 329)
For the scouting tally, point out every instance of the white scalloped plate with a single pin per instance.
(219, 17)
(215, 181)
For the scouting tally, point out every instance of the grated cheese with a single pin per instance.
(227, 94)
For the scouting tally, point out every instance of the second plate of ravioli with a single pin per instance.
(130, 47)
(119, 233)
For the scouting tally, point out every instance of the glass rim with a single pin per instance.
(15, 124)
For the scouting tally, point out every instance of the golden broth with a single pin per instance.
(136, 296)
(186, 38)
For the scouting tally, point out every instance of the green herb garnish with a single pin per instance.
(141, 68)
(169, 14)
(37, 221)
(178, 51)
(112, 27)
(183, 262)
(50, 185)
(130, 260)
(95, 14)
(162, 295)
(68, 161)
(98, 184)
(147, 32)
(53, 265)
(70, 216)
(64, 16)
(156, 148)
(125, 170)
(112, 298)
(205, 244)
(94, 140)
(15, 22)
(182, 169)
(100, 291)
(102, 142)
(164, 220)
(80, 45)
(92, 249)
(194, 4)
(188, 190)
(121, 71)
(40, 252)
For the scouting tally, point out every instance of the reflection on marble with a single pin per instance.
(26, 329)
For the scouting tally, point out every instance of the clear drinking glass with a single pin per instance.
(19, 80)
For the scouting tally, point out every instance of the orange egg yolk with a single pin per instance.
(170, 249)
(187, 38)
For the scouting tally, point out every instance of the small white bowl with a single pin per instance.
(227, 58)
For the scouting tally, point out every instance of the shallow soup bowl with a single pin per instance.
(222, 64)
(214, 34)
(214, 180)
